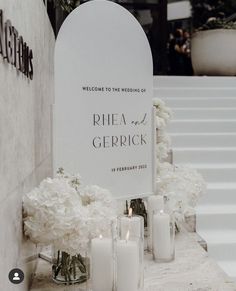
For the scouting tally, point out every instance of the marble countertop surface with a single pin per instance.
(192, 270)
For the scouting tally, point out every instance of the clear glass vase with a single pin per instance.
(129, 250)
(163, 236)
(102, 259)
(68, 269)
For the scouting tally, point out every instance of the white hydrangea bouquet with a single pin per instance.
(180, 185)
(163, 116)
(63, 213)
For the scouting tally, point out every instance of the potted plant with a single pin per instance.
(213, 43)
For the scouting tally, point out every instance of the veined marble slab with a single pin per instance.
(192, 270)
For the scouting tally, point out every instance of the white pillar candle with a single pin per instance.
(102, 264)
(133, 228)
(154, 203)
(161, 236)
(127, 265)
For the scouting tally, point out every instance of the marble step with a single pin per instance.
(218, 237)
(219, 193)
(162, 92)
(193, 81)
(229, 268)
(221, 246)
(200, 102)
(199, 126)
(212, 155)
(216, 173)
(224, 250)
(204, 113)
(215, 217)
(218, 139)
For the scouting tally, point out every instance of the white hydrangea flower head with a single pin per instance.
(182, 187)
(61, 213)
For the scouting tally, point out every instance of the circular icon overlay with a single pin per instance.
(16, 276)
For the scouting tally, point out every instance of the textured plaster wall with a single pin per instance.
(25, 134)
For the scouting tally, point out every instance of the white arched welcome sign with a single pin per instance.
(103, 121)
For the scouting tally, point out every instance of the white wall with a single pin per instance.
(25, 133)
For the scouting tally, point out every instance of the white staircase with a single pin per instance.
(203, 133)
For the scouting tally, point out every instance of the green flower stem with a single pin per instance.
(69, 268)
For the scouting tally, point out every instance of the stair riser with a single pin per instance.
(204, 114)
(204, 156)
(222, 251)
(193, 82)
(199, 102)
(219, 196)
(230, 270)
(203, 140)
(216, 221)
(194, 92)
(218, 175)
(198, 127)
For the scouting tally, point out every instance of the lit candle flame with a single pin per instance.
(127, 236)
(130, 212)
(162, 211)
(100, 236)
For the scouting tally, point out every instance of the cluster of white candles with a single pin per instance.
(129, 249)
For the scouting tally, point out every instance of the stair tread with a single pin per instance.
(216, 209)
(218, 236)
(203, 148)
(198, 98)
(204, 120)
(204, 134)
(221, 186)
(194, 81)
(209, 165)
(229, 267)
(183, 102)
(203, 108)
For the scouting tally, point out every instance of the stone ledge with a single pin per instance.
(192, 270)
